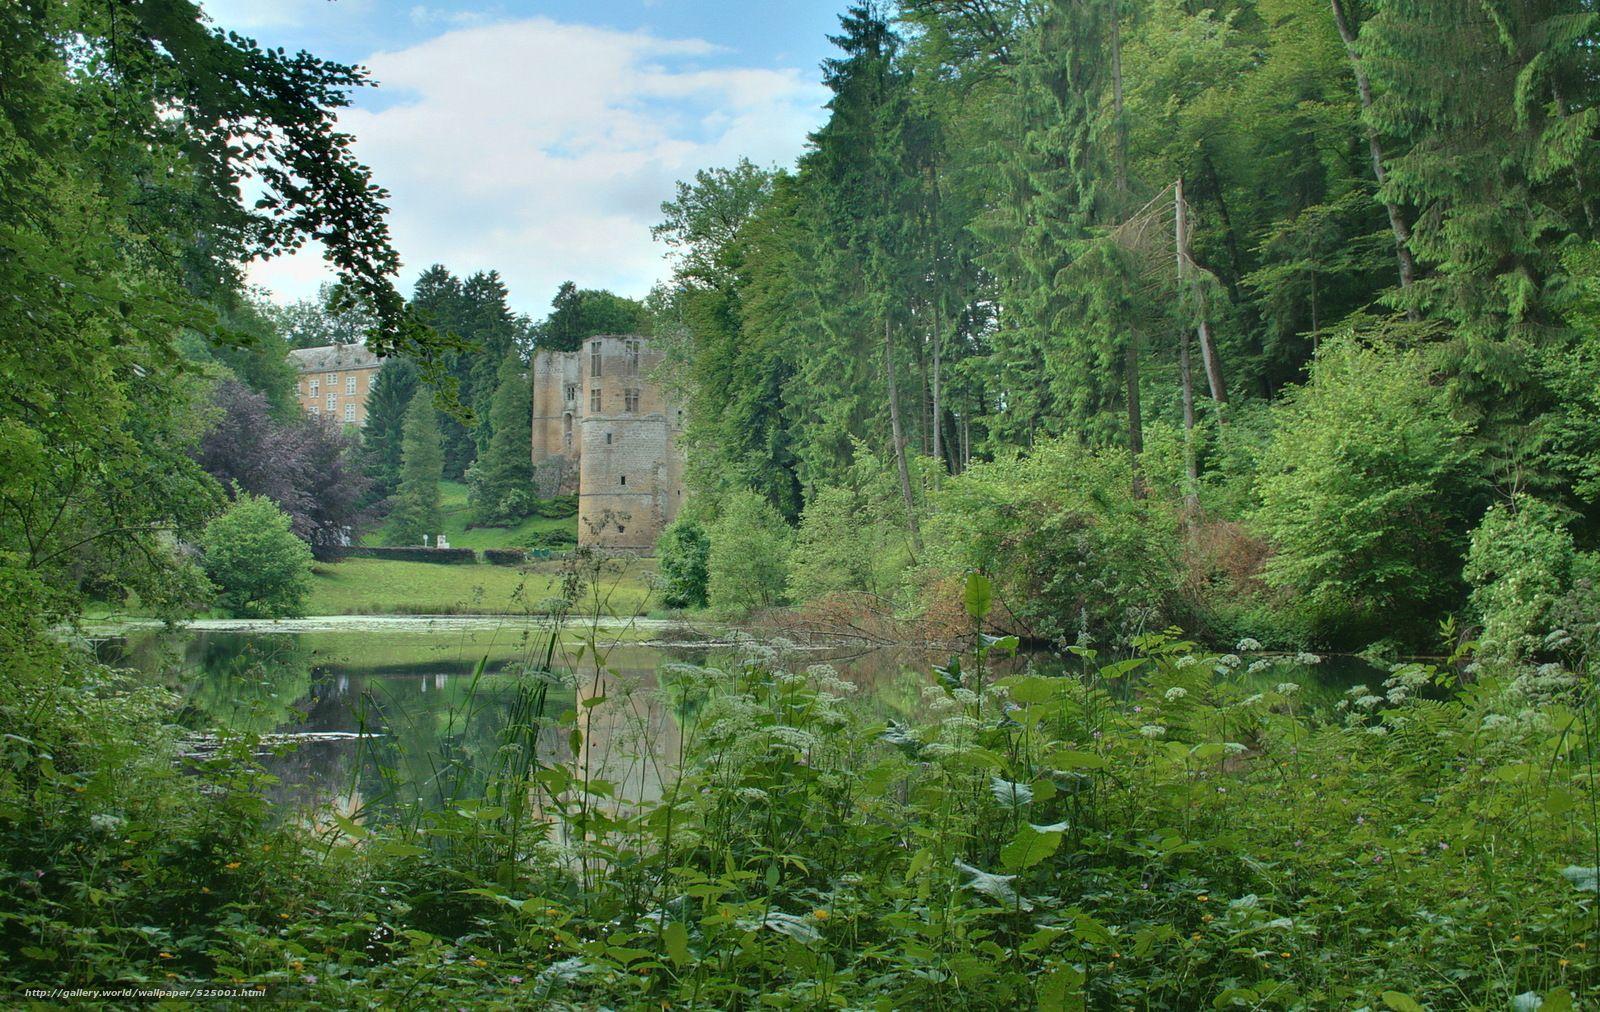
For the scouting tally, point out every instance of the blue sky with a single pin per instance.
(539, 138)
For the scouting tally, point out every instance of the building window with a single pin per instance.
(333, 401)
(622, 479)
(349, 412)
(608, 439)
(572, 393)
(594, 358)
(630, 400)
(594, 400)
(332, 378)
(566, 429)
(314, 388)
(350, 383)
(315, 410)
(633, 357)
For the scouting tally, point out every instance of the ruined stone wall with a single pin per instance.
(604, 428)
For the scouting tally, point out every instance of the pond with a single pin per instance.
(373, 712)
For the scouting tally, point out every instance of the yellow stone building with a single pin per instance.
(335, 380)
(603, 428)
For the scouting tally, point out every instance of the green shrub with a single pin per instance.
(682, 556)
(560, 537)
(749, 552)
(260, 568)
(1519, 566)
(1367, 489)
(557, 507)
(1071, 551)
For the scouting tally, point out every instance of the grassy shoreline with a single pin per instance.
(387, 587)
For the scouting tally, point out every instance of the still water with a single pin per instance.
(363, 706)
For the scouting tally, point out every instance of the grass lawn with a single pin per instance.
(453, 497)
(388, 587)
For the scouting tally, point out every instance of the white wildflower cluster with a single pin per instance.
(1548, 683)
(964, 696)
(827, 679)
(1368, 701)
(1287, 688)
(1175, 693)
(1307, 659)
(1153, 731)
(1247, 645)
(1228, 662)
(1497, 722)
(1234, 748)
(1187, 660)
(1258, 666)
(103, 822)
(1251, 700)
(792, 737)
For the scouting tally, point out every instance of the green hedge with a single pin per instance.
(447, 556)
(505, 556)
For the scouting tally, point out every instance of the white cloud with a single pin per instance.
(544, 149)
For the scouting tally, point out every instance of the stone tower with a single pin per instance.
(604, 429)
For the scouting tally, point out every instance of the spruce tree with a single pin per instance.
(417, 512)
(506, 465)
(1494, 106)
(384, 430)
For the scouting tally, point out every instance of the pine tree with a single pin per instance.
(506, 466)
(383, 433)
(417, 513)
(1494, 105)
(492, 328)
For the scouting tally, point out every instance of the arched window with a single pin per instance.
(566, 429)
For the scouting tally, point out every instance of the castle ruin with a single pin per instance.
(604, 429)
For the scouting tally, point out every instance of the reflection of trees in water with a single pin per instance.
(433, 729)
(247, 683)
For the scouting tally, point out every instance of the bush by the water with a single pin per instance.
(1073, 552)
(749, 555)
(260, 568)
(683, 554)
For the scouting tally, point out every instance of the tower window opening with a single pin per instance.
(608, 439)
(594, 400)
(622, 479)
(630, 400)
(594, 358)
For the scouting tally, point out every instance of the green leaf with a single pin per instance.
(676, 937)
(996, 887)
(1401, 1002)
(1091, 930)
(1061, 990)
(1073, 759)
(1031, 845)
(1583, 879)
(979, 596)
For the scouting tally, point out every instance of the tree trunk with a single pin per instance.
(1135, 419)
(1397, 220)
(1208, 351)
(1191, 471)
(1116, 109)
(899, 439)
(938, 413)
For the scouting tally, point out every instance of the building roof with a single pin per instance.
(334, 357)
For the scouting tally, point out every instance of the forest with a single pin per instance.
(1141, 362)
